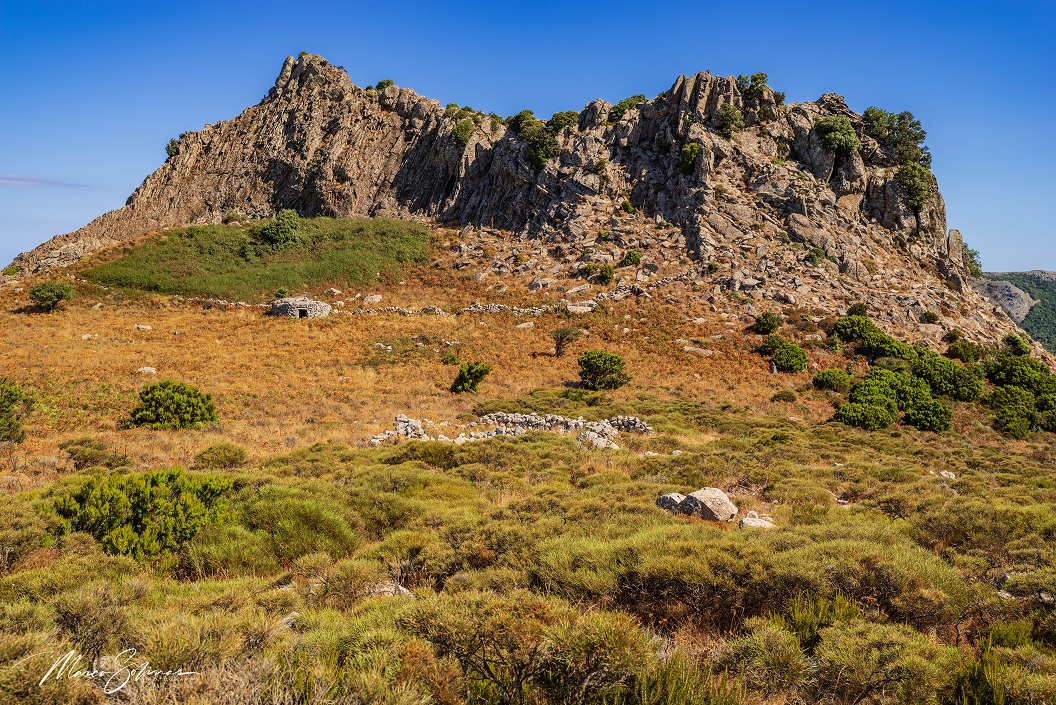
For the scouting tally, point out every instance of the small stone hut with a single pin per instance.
(299, 307)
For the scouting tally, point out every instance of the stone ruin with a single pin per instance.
(300, 307)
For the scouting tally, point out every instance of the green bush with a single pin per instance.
(93, 616)
(562, 120)
(769, 659)
(730, 120)
(752, 88)
(383, 84)
(688, 158)
(837, 135)
(469, 377)
(15, 405)
(964, 351)
(859, 309)
(605, 274)
(221, 456)
(542, 145)
(144, 516)
(769, 322)
(815, 257)
(917, 181)
(1016, 370)
(11, 270)
(281, 232)
(867, 416)
(853, 327)
(172, 148)
(599, 369)
(790, 358)
(900, 133)
(947, 378)
(631, 258)
(857, 660)
(89, 453)
(1015, 344)
(835, 380)
(786, 395)
(628, 207)
(462, 132)
(168, 404)
(807, 614)
(930, 415)
(449, 359)
(47, 295)
(930, 317)
(563, 337)
(618, 110)
(875, 392)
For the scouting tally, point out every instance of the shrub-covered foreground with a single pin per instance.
(542, 572)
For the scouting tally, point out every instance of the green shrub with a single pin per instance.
(623, 106)
(730, 120)
(712, 267)
(1016, 421)
(975, 264)
(562, 120)
(869, 417)
(11, 270)
(462, 132)
(47, 295)
(599, 369)
(807, 614)
(221, 456)
(947, 378)
(542, 145)
(143, 516)
(383, 84)
(790, 358)
(15, 405)
(281, 232)
(563, 337)
(858, 659)
(1016, 370)
(631, 258)
(605, 274)
(1015, 344)
(930, 317)
(89, 453)
(835, 380)
(469, 377)
(769, 322)
(837, 134)
(815, 257)
(93, 616)
(930, 415)
(172, 148)
(688, 158)
(168, 404)
(965, 351)
(901, 133)
(786, 395)
(449, 359)
(859, 309)
(226, 551)
(628, 207)
(853, 327)
(917, 181)
(752, 88)
(769, 659)
(875, 392)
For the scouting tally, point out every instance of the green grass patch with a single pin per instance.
(234, 262)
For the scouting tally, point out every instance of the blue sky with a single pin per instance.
(92, 91)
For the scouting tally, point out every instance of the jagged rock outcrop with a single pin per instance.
(751, 206)
(323, 146)
(1013, 300)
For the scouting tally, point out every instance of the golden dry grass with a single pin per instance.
(280, 384)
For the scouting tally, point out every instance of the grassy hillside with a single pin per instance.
(1041, 321)
(905, 566)
(236, 262)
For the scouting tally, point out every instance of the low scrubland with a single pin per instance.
(255, 540)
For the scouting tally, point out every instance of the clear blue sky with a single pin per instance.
(92, 91)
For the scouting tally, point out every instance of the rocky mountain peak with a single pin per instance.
(749, 196)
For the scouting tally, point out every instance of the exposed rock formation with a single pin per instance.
(323, 146)
(1013, 300)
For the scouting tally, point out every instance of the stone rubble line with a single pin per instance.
(597, 434)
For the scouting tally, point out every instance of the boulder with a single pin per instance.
(752, 520)
(709, 503)
(670, 501)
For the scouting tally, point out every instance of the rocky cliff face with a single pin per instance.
(1013, 300)
(323, 146)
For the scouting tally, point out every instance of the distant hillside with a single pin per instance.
(1040, 322)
